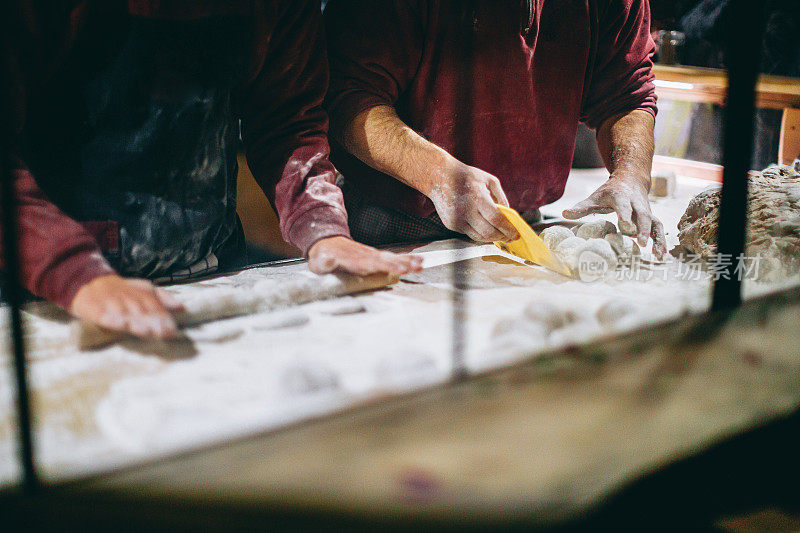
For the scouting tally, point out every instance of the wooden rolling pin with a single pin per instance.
(239, 302)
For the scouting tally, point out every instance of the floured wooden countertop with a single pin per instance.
(141, 400)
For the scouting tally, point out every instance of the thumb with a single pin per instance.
(169, 301)
(498, 195)
(323, 264)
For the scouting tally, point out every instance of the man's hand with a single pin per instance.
(464, 196)
(133, 306)
(345, 255)
(628, 198)
(465, 199)
(626, 144)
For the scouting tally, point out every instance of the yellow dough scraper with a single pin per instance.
(530, 246)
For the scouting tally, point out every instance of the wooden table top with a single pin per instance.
(543, 440)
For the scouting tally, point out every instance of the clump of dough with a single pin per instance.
(595, 259)
(568, 250)
(773, 231)
(624, 247)
(280, 320)
(215, 333)
(403, 369)
(540, 324)
(517, 334)
(341, 307)
(535, 323)
(553, 236)
(595, 230)
(309, 378)
(550, 316)
(614, 311)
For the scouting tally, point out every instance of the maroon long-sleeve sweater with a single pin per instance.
(282, 122)
(500, 84)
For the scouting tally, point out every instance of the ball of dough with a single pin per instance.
(309, 378)
(624, 247)
(518, 333)
(553, 236)
(341, 307)
(215, 332)
(568, 249)
(614, 311)
(577, 333)
(595, 230)
(602, 248)
(549, 315)
(595, 258)
(628, 228)
(406, 368)
(280, 320)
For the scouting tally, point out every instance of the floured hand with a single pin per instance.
(464, 196)
(465, 199)
(133, 306)
(346, 255)
(628, 198)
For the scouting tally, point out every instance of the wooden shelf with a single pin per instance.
(707, 85)
(711, 85)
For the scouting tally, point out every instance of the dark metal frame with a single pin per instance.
(745, 36)
(13, 294)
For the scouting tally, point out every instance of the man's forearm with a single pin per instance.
(627, 145)
(379, 138)
(464, 197)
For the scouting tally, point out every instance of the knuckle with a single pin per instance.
(497, 219)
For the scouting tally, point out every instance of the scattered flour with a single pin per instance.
(401, 370)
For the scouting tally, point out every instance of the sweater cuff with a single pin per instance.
(71, 274)
(316, 224)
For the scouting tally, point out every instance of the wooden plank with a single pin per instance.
(789, 148)
(686, 167)
(711, 86)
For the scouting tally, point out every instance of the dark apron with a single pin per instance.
(139, 142)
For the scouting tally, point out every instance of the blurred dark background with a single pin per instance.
(692, 130)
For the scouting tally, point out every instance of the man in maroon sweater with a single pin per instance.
(126, 118)
(443, 107)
